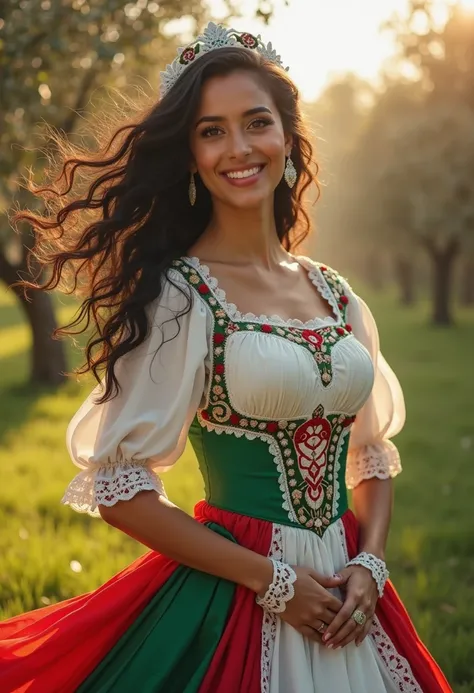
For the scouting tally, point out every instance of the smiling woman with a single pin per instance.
(254, 136)
(274, 585)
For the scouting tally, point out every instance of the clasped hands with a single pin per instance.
(319, 615)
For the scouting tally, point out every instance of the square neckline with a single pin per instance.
(315, 276)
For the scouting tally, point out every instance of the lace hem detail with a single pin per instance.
(381, 460)
(109, 484)
(234, 314)
(397, 666)
(269, 623)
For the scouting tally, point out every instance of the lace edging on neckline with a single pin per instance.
(316, 277)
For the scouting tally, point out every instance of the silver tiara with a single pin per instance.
(214, 36)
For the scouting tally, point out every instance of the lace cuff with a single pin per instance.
(108, 484)
(381, 460)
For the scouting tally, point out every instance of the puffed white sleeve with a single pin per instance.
(371, 451)
(119, 445)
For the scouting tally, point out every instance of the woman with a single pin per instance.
(207, 325)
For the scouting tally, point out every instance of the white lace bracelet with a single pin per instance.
(281, 589)
(376, 566)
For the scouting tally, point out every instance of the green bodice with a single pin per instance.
(285, 471)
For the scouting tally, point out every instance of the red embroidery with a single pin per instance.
(311, 442)
(313, 337)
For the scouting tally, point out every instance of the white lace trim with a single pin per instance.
(108, 484)
(280, 590)
(377, 567)
(274, 451)
(397, 666)
(316, 277)
(381, 460)
(337, 466)
(269, 623)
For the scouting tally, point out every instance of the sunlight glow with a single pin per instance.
(321, 40)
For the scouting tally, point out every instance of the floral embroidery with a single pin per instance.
(306, 451)
(313, 338)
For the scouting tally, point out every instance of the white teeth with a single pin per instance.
(244, 174)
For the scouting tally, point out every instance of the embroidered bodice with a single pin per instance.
(285, 394)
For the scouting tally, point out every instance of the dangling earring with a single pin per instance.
(192, 191)
(290, 173)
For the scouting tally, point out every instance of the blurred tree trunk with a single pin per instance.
(405, 278)
(467, 282)
(47, 355)
(442, 277)
(374, 270)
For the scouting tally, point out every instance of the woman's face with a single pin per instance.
(237, 141)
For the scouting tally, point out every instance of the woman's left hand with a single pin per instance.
(361, 593)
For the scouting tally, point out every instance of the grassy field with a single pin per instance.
(49, 553)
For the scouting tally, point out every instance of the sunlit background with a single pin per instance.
(388, 92)
(320, 40)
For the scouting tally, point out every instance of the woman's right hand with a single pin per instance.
(312, 603)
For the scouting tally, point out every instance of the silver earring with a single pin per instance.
(192, 190)
(290, 173)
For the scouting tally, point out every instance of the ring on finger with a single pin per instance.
(322, 627)
(359, 617)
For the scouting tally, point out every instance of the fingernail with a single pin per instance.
(326, 636)
(330, 647)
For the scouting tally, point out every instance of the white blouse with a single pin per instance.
(120, 445)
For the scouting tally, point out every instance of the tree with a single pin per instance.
(55, 54)
(443, 54)
(428, 175)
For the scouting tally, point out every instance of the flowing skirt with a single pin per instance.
(159, 627)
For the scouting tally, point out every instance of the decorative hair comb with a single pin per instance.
(214, 36)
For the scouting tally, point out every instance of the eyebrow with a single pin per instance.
(219, 119)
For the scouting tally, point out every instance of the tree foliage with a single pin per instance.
(408, 176)
(54, 56)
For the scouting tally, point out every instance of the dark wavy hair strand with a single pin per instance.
(115, 220)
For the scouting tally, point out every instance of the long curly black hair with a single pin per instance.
(115, 219)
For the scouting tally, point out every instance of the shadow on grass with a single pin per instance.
(11, 315)
(16, 403)
(18, 396)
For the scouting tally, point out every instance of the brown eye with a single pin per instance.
(261, 123)
(210, 131)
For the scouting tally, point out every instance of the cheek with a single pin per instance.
(207, 157)
(273, 146)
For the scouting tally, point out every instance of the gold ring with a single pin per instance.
(322, 627)
(359, 617)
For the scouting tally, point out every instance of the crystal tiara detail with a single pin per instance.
(214, 36)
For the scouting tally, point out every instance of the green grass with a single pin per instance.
(431, 549)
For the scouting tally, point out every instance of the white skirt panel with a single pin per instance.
(292, 663)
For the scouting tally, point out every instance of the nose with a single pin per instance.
(239, 145)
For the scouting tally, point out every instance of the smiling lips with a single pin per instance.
(243, 176)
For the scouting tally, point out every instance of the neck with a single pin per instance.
(244, 236)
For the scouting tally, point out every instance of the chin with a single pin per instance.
(249, 199)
